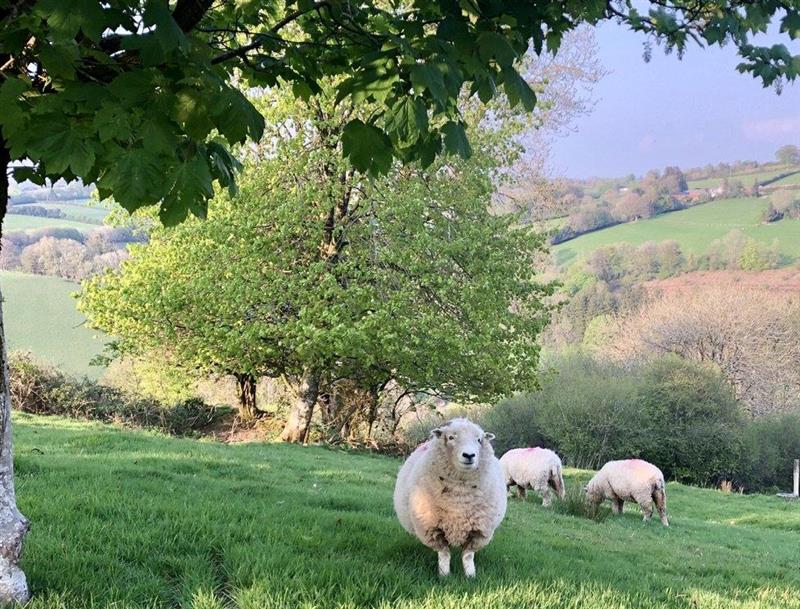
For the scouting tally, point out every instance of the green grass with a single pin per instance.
(788, 180)
(14, 222)
(694, 229)
(746, 179)
(76, 210)
(40, 316)
(130, 519)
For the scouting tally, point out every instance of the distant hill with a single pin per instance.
(746, 179)
(694, 229)
(773, 280)
(17, 223)
(40, 316)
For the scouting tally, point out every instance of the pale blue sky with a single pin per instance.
(687, 112)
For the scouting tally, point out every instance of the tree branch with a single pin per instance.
(243, 50)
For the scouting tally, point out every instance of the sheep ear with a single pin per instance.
(489, 436)
(437, 432)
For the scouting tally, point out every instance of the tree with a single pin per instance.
(315, 274)
(139, 96)
(788, 155)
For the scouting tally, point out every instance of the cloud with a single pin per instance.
(771, 129)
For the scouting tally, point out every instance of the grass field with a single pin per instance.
(694, 229)
(129, 519)
(76, 210)
(746, 179)
(14, 222)
(788, 180)
(40, 317)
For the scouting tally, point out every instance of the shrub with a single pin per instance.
(41, 389)
(680, 415)
(770, 446)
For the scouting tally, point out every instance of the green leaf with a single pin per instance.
(407, 119)
(518, 90)
(112, 123)
(455, 139)
(69, 18)
(427, 77)
(190, 192)
(59, 60)
(63, 146)
(367, 147)
(492, 45)
(136, 178)
(236, 118)
(791, 24)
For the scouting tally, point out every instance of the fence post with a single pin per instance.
(796, 487)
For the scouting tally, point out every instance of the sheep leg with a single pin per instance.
(647, 509)
(660, 499)
(616, 505)
(444, 561)
(547, 497)
(468, 561)
(521, 492)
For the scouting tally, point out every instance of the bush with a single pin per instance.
(677, 414)
(770, 446)
(40, 389)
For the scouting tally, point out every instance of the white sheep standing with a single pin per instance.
(632, 480)
(535, 468)
(451, 492)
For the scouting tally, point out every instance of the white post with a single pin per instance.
(796, 487)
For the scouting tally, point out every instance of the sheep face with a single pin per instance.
(464, 442)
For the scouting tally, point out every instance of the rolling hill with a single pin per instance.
(15, 222)
(40, 316)
(694, 229)
(746, 179)
(132, 519)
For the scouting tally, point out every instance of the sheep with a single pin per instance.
(535, 468)
(451, 492)
(630, 480)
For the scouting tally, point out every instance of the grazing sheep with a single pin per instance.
(535, 468)
(630, 480)
(451, 492)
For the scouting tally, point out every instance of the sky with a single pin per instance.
(687, 112)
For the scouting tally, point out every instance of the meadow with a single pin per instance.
(788, 180)
(132, 519)
(78, 211)
(746, 179)
(693, 229)
(40, 316)
(15, 222)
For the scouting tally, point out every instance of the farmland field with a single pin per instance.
(694, 229)
(788, 180)
(40, 316)
(14, 222)
(76, 210)
(131, 519)
(746, 179)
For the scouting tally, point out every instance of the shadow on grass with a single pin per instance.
(133, 519)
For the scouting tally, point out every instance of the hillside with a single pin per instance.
(40, 316)
(746, 179)
(15, 222)
(774, 280)
(131, 519)
(692, 228)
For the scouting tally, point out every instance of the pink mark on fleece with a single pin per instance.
(422, 447)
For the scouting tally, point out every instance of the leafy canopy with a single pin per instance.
(140, 96)
(312, 267)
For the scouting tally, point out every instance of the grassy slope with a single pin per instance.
(745, 178)
(788, 180)
(75, 210)
(693, 229)
(134, 520)
(15, 222)
(40, 316)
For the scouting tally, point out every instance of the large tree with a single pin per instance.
(138, 96)
(317, 274)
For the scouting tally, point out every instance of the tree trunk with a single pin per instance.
(13, 525)
(299, 421)
(246, 390)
